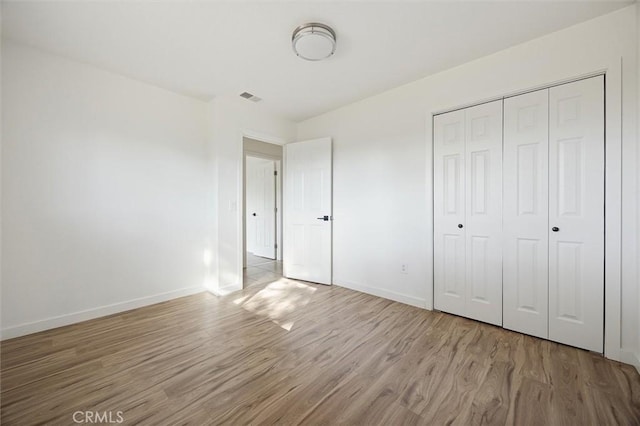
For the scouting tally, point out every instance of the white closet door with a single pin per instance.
(576, 213)
(449, 252)
(483, 212)
(526, 213)
(468, 212)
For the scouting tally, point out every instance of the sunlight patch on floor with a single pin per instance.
(278, 301)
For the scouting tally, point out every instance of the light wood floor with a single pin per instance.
(288, 353)
(261, 270)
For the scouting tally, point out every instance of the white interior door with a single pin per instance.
(576, 213)
(449, 212)
(483, 212)
(308, 210)
(526, 213)
(261, 207)
(250, 203)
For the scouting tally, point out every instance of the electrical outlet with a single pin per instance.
(404, 268)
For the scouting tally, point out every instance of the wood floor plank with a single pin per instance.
(608, 409)
(361, 400)
(287, 352)
(456, 392)
(491, 405)
(532, 404)
(629, 388)
(569, 391)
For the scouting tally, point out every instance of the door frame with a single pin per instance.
(240, 231)
(613, 198)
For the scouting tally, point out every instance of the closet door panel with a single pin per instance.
(449, 252)
(526, 213)
(576, 213)
(483, 212)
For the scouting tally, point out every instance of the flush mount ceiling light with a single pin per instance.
(313, 41)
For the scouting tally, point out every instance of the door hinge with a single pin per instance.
(275, 245)
(275, 173)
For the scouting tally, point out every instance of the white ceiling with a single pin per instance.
(206, 49)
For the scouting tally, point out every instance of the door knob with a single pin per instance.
(325, 218)
(460, 226)
(253, 214)
(555, 229)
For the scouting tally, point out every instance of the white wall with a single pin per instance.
(382, 157)
(1, 136)
(630, 199)
(233, 118)
(103, 192)
(637, 327)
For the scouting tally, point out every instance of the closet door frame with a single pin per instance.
(614, 132)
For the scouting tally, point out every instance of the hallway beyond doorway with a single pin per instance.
(261, 270)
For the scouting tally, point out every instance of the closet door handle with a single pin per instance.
(555, 229)
(460, 226)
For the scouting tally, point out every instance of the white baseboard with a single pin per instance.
(631, 358)
(386, 294)
(225, 290)
(101, 311)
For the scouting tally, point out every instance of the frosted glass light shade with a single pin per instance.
(313, 41)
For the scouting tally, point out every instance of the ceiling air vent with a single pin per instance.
(252, 98)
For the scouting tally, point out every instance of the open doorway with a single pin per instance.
(262, 215)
